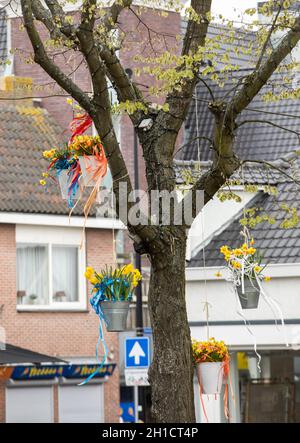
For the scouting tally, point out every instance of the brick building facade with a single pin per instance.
(68, 334)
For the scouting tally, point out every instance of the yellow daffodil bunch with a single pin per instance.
(50, 155)
(86, 145)
(114, 284)
(59, 159)
(244, 259)
(209, 351)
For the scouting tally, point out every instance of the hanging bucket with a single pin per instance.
(210, 377)
(89, 165)
(250, 298)
(64, 180)
(115, 314)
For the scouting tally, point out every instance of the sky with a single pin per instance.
(226, 7)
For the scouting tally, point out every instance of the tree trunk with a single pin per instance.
(171, 372)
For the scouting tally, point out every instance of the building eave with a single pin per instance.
(60, 220)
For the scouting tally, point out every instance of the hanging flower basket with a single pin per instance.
(210, 377)
(249, 297)
(211, 359)
(64, 179)
(115, 314)
(67, 172)
(244, 264)
(113, 289)
(91, 157)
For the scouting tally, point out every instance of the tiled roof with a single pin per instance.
(235, 50)
(251, 173)
(253, 140)
(25, 132)
(276, 244)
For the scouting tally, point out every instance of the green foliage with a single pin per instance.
(254, 216)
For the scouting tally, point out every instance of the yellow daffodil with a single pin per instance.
(94, 280)
(224, 249)
(218, 274)
(128, 269)
(42, 182)
(89, 272)
(267, 278)
(257, 269)
(45, 174)
(236, 264)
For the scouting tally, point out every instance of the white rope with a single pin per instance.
(206, 303)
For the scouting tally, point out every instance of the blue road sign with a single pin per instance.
(137, 352)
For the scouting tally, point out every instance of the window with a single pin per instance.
(32, 274)
(50, 269)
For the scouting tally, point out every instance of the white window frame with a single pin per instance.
(55, 236)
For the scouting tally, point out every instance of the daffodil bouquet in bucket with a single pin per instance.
(67, 171)
(246, 272)
(211, 358)
(112, 293)
(92, 159)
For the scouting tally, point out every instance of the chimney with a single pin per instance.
(16, 90)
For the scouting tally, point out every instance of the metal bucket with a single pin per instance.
(115, 314)
(250, 298)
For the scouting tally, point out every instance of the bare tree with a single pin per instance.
(171, 372)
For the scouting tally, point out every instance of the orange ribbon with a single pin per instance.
(79, 125)
(98, 173)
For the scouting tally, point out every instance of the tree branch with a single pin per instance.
(257, 79)
(41, 57)
(195, 37)
(264, 48)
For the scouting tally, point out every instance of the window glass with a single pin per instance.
(65, 273)
(32, 274)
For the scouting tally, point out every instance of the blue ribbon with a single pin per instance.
(100, 340)
(99, 296)
(63, 164)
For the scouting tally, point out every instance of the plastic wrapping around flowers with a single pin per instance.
(67, 170)
(212, 365)
(81, 164)
(112, 293)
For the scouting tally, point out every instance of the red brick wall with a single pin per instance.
(137, 42)
(66, 334)
(56, 104)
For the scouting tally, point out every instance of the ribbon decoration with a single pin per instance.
(106, 283)
(79, 125)
(98, 173)
(74, 175)
(95, 303)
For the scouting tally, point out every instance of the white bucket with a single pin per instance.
(91, 163)
(63, 180)
(210, 377)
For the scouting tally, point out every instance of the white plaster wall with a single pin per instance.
(224, 307)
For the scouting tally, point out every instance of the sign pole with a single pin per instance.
(139, 299)
(136, 404)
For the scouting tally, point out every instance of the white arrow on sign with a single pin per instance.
(137, 352)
